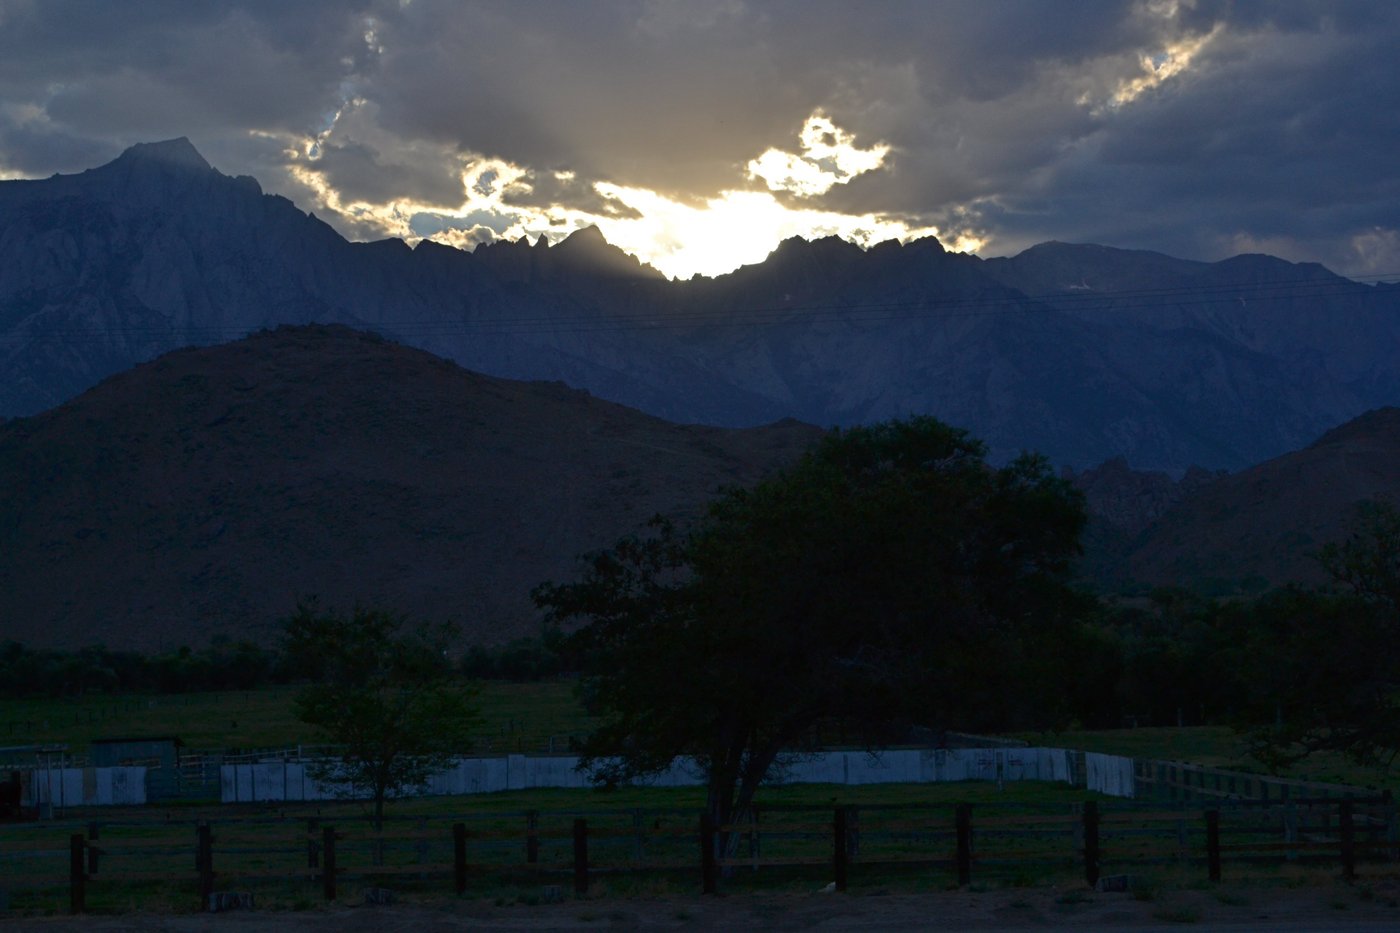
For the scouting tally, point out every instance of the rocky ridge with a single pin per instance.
(1081, 352)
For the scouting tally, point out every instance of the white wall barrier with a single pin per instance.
(290, 780)
(84, 787)
(285, 780)
(1109, 774)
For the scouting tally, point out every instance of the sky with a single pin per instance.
(698, 134)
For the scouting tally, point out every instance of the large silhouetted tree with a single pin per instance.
(890, 576)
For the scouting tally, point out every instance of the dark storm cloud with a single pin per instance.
(361, 173)
(1000, 117)
(543, 189)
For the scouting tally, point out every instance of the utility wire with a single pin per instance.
(1075, 303)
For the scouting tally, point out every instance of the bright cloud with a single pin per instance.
(680, 238)
(829, 157)
(734, 229)
(1161, 66)
(1377, 253)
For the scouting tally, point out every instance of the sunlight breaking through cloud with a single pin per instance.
(1159, 67)
(733, 229)
(829, 157)
(680, 238)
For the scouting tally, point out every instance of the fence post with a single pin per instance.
(1213, 844)
(94, 830)
(580, 857)
(1392, 826)
(313, 848)
(1290, 828)
(459, 856)
(838, 848)
(709, 873)
(755, 840)
(328, 862)
(77, 878)
(204, 861)
(1347, 835)
(1091, 843)
(532, 836)
(964, 857)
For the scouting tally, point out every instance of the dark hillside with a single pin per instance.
(203, 493)
(1260, 527)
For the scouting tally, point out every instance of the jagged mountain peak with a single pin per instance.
(178, 152)
(586, 249)
(1170, 361)
(589, 237)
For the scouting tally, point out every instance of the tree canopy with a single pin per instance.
(1337, 655)
(890, 576)
(384, 694)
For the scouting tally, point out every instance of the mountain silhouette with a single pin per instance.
(1081, 352)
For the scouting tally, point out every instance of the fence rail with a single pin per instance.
(113, 858)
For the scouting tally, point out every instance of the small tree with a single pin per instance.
(891, 575)
(386, 696)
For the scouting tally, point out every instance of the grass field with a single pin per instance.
(1213, 746)
(525, 717)
(535, 718)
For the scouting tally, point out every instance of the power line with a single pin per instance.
(1074, 302)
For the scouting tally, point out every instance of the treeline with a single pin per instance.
(1175, 657)
(1170, 658)
(31, 672)
(27, 673)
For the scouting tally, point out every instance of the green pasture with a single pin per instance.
(539, 718)
(1212, 746)
(523, 717)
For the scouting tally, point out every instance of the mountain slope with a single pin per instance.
(1261, 526)
(204, 493)
(1081, 352)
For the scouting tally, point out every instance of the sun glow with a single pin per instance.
(734, 229)
(681, 238)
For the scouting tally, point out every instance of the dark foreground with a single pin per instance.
(1317, 909)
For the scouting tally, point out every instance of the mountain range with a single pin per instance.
(205, 493)
(1084, 353)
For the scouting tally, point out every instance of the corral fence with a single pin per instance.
(272, 775)
(1180, 781)
(214, 864)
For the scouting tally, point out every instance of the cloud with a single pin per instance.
(1179, 125)
(829, 157)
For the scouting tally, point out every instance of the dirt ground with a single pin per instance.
(1353, 909)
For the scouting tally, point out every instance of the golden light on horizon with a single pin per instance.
(680, 238)
(736, 228)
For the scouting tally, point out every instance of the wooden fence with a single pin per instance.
(198, 864)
